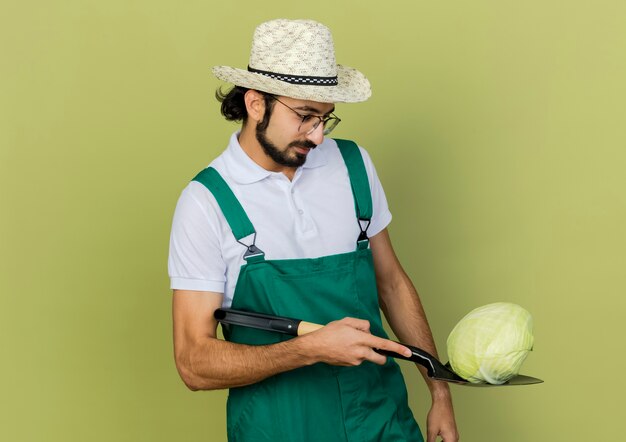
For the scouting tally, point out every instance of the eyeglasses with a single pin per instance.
(310, 122)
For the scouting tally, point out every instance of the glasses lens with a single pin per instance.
(310, 123)
(330, 124)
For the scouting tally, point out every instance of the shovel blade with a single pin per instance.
(450, 376)
(520, 379)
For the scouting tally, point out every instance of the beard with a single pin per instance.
(287, 157)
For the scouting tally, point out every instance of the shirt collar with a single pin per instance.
(245, 170)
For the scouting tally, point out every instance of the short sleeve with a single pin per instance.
(195, 259)
(381, 216)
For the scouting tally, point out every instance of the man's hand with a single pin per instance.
(440, 421)
(348, 342)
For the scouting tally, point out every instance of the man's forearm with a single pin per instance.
(406, 315)
(404, 312)
(209, 363)
(215, 364)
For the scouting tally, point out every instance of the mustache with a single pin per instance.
(306, 144)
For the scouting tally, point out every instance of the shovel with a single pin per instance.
(296, 327)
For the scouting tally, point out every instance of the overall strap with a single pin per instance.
(231, 208)
(360, 186)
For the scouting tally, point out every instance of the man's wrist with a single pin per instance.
(302, 347)
(440, 391)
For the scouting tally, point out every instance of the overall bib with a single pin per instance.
(319, 402)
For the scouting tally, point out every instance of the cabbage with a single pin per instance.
(490, 343)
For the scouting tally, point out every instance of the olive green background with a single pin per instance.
(498, 131)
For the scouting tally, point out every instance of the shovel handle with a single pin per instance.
(279, 324)
(297, 327)
(308, 327)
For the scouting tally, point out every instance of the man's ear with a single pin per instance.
(255, 105)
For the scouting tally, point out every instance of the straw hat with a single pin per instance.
(296, 58)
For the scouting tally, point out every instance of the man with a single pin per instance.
(288, 222)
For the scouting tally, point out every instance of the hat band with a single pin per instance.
(298, 79)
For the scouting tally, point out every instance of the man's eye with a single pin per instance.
(307, 118)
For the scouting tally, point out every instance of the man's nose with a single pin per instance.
(317, 135)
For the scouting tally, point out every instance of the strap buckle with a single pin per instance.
(252, 250)
(363, 235)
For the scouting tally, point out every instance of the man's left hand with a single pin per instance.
(441, 422)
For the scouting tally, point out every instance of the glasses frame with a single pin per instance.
(324, 121)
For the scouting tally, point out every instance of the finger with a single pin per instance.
(359, 324)
(431, 437)
(449, 437)
(386, 344)
(376, 358)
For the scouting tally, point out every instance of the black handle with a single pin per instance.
(257, 320)
(435, 368)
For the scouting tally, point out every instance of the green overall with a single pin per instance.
(319, 402)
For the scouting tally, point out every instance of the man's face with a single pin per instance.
(282, 139)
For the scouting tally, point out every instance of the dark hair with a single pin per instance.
(234, 106)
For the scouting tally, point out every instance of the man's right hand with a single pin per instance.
(348, 342)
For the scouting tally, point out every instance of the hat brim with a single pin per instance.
(352, 86)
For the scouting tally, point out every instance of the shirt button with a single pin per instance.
(300, 211)
(293, 190)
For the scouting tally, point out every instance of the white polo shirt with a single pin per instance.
(311, 216)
